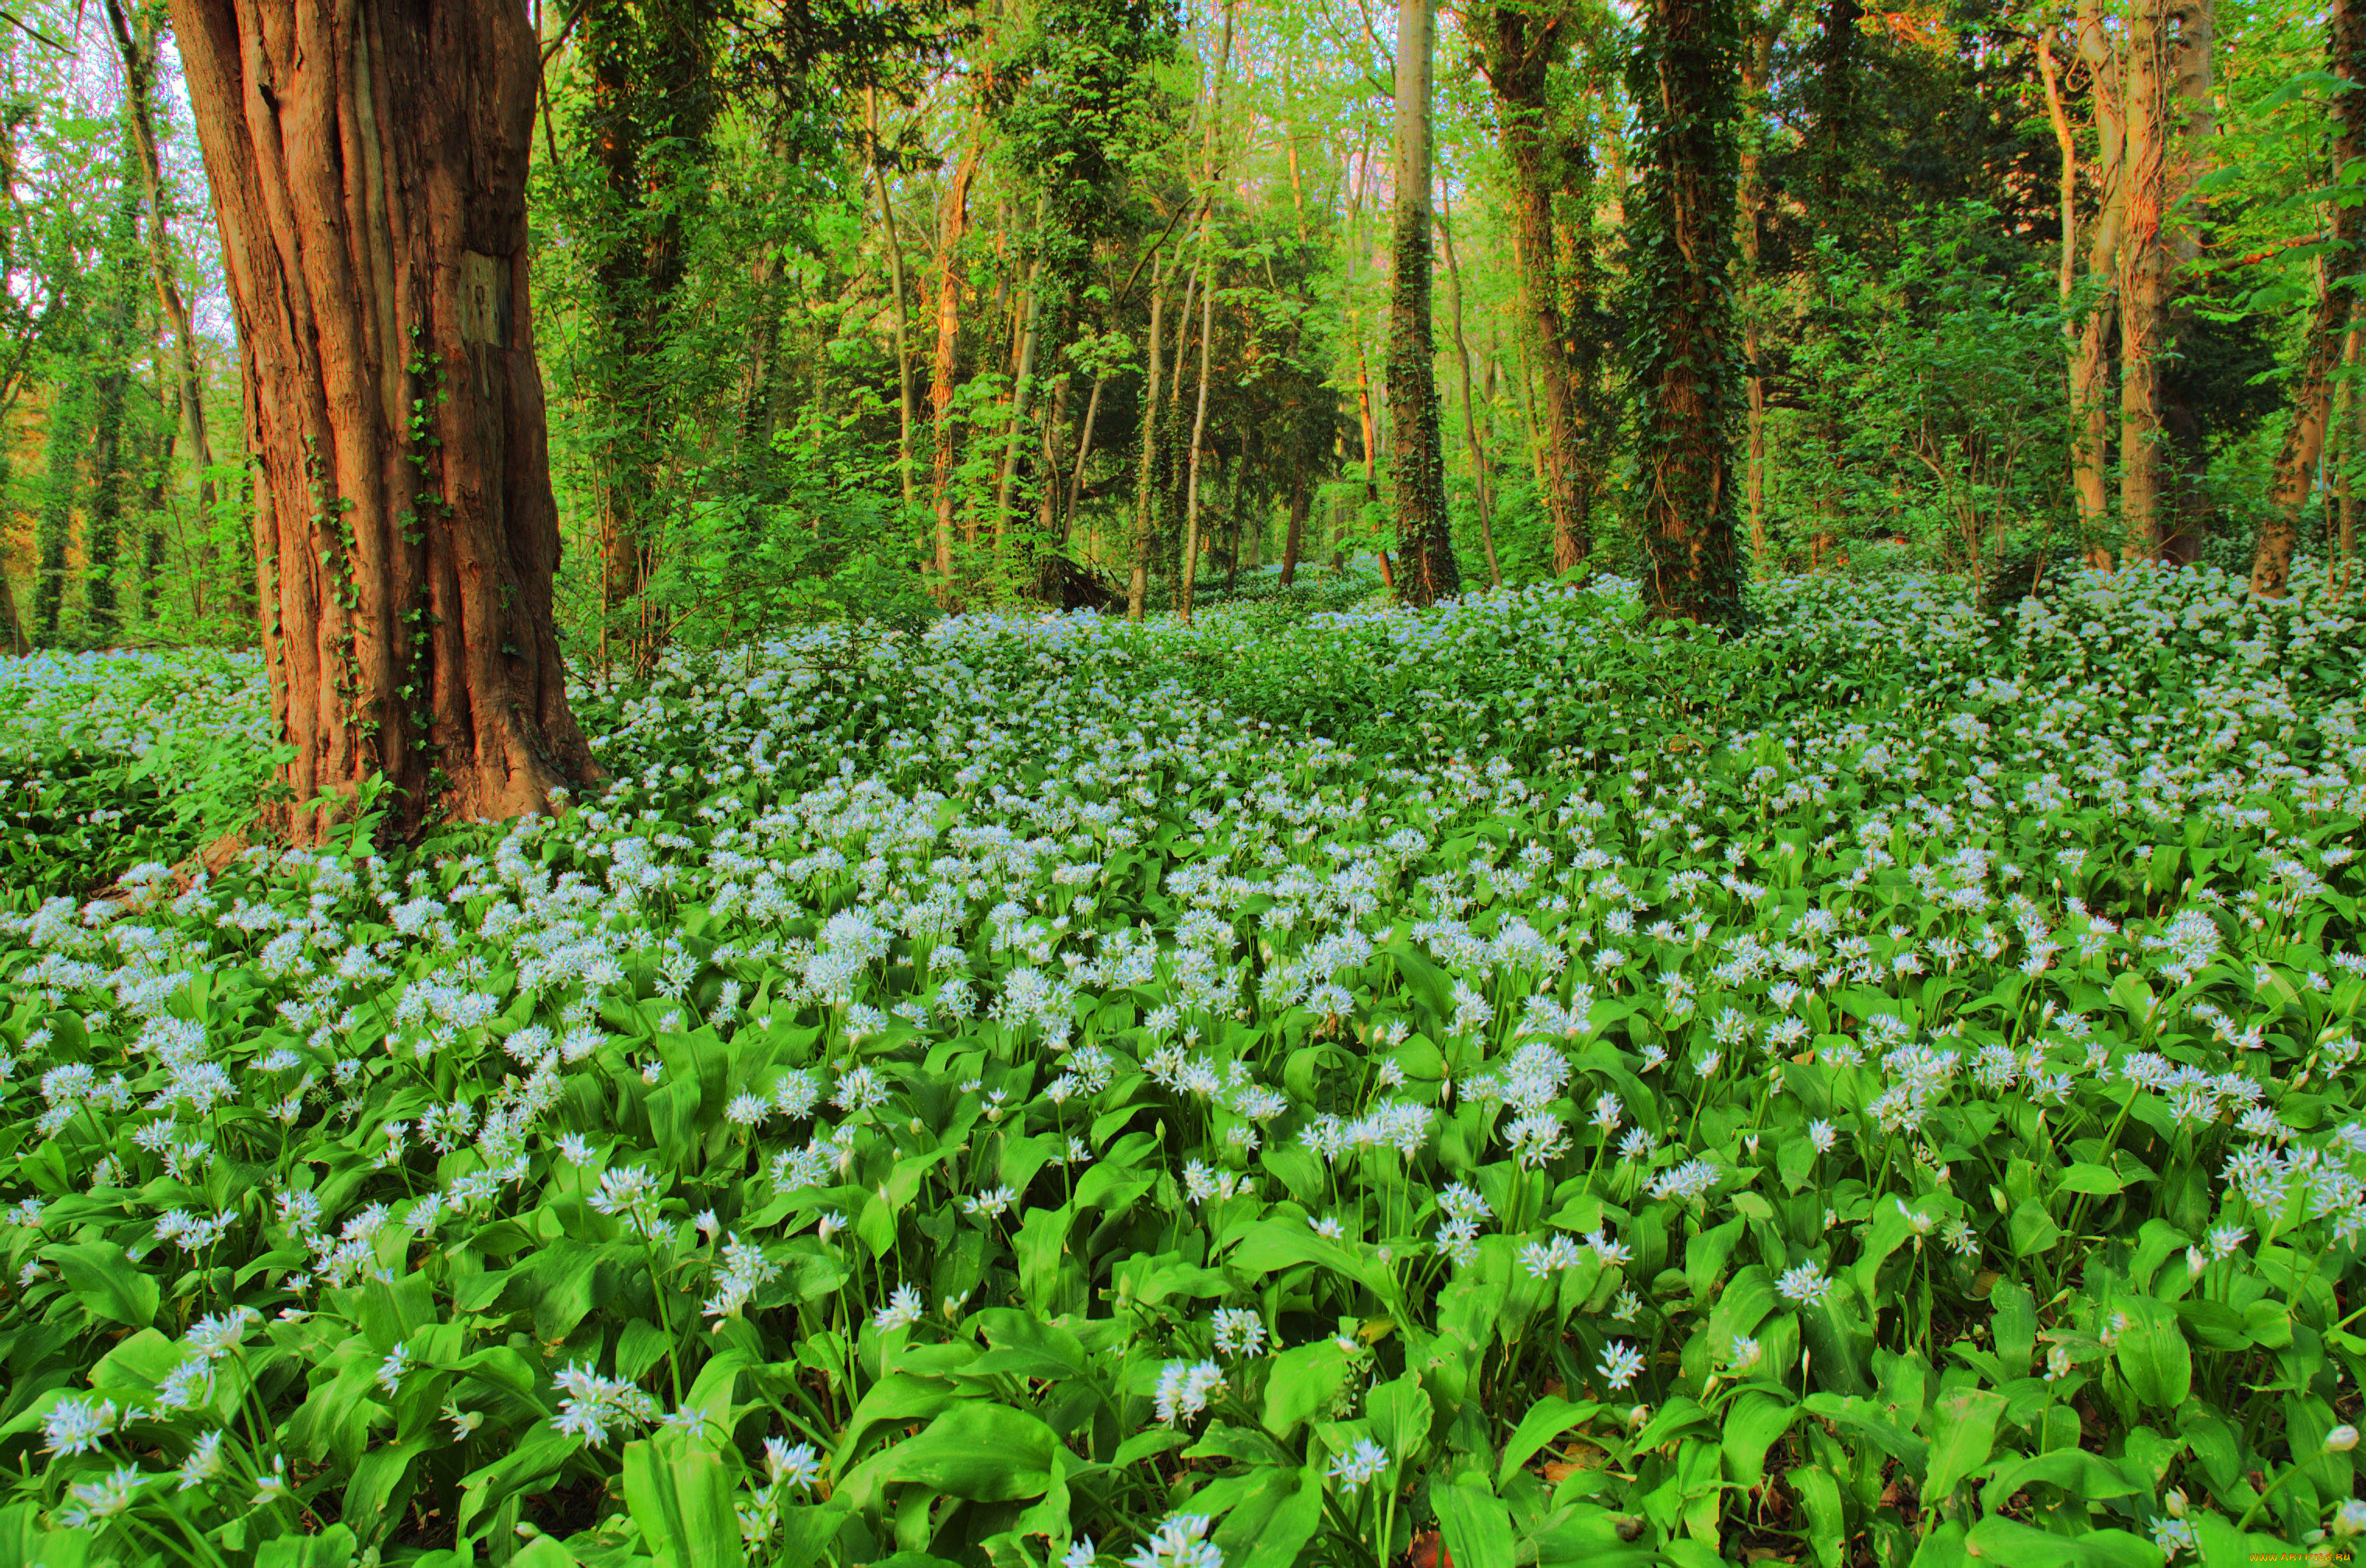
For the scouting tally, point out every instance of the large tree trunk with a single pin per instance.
(1518, 47)
(1416, 460)
(1684, 76)
(2336, 302)
(368, 169)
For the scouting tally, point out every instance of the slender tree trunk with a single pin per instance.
(1520, 44)
(110, 442)
(1022, 386)
(1479, 479)
(1188, 568)
(2336, 308)
(1137, 587)
(368, 170)
(61, 446)
(2146, 266)
(12, 629)
(900, 317)
(1206, 264)
(1684, 75)
(1417, 460)
(2091, 368)
(1294, 540)
(2346, 545)
(1084, 450)
(1758, 59)
(953, 223)
(136, 47)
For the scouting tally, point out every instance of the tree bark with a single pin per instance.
(1685, 77)
(1416, 460)
(368, 169)
(2337, 304)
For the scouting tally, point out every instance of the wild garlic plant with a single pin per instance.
(1880, 1088)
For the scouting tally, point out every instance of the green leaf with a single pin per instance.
(104, 1278)
(680, 1494)
(2152, 1353)
(1964, 1430)
(1548, 1418)
(1476, 1526)
(989, 1453)
(2092, 1179)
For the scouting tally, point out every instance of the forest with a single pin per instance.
(984, 784)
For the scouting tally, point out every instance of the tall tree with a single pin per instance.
(2168, 51)
(1520, 46)
(647, 122)
(135, 45)
(2336, 313)
(111, 437)
(1684, 79)
(1416, 455)
(2090, 365)
(369, 172)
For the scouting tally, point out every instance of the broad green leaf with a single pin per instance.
(1476, 1526)
(105, 1280)
(1964, 1430)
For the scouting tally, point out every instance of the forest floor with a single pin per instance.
(1879, 1088)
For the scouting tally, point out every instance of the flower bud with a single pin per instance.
(2341, 1439)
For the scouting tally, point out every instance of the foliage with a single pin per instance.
(1049, 1089)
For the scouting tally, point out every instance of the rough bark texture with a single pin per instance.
(2296, 461)
(368, 166)
(1417, 460)
(1684, 78)
(1518, 47)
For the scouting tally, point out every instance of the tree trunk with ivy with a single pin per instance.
(2335, 311)
(368, 168)
(1417, 458)
(1518, 46)
(1685, 77)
